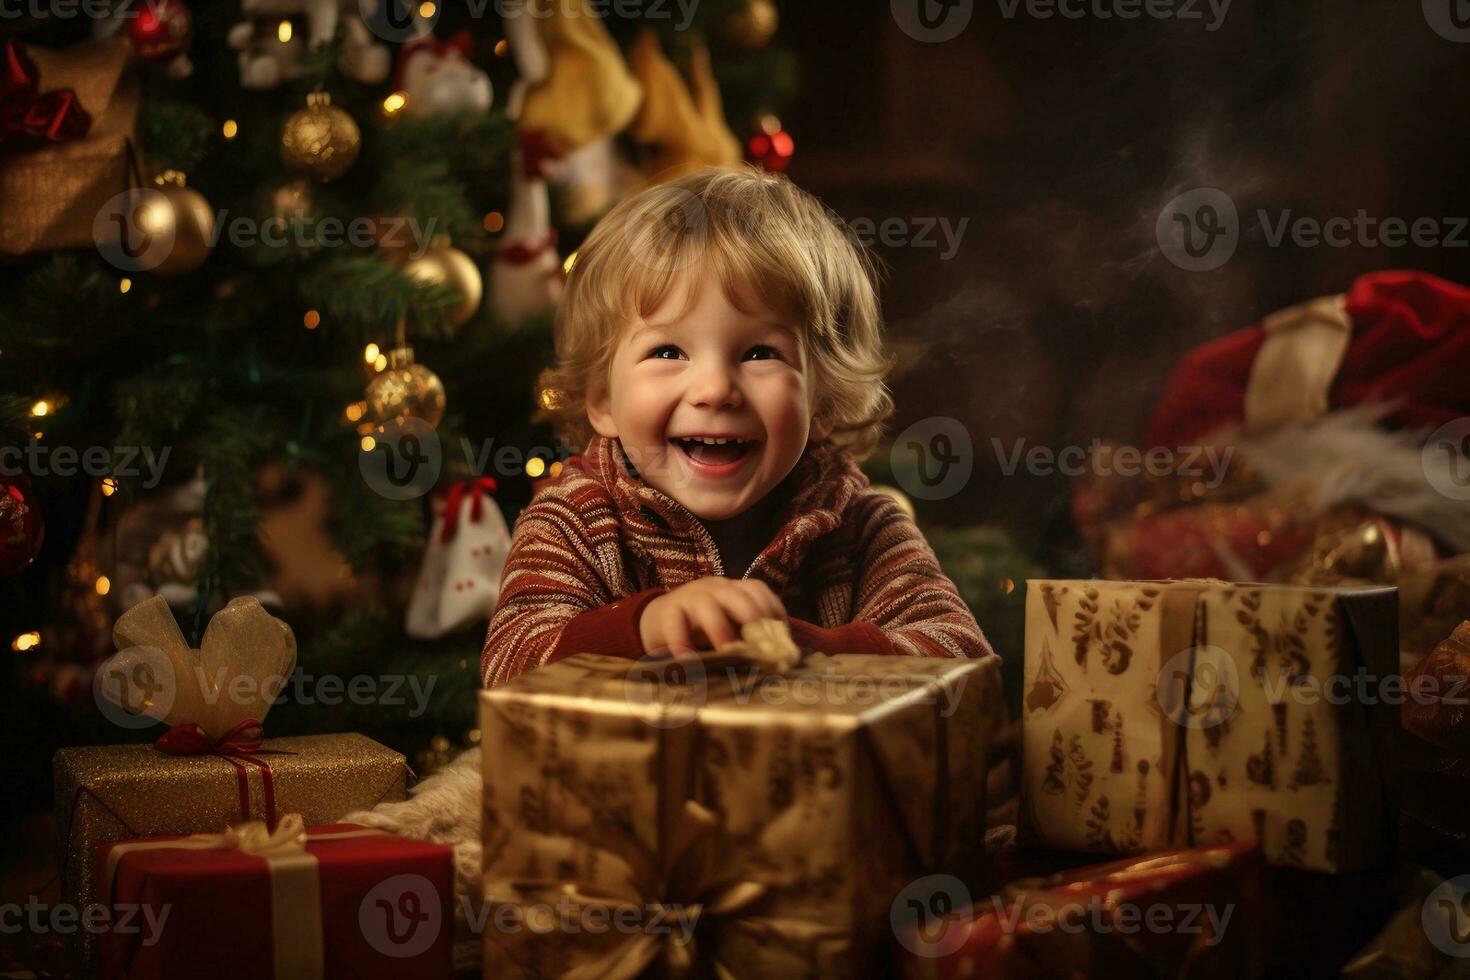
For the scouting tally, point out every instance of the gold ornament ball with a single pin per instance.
(179, 214)
(443, 264)
(904, 503)
(752, 28)
(322, 139)
(405, 388)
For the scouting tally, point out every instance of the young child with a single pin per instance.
(719, 353)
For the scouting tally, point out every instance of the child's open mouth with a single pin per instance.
(715, 456)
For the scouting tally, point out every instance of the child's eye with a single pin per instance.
(766, 350)
(659, 352)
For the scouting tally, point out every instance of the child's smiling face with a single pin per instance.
(707, 369)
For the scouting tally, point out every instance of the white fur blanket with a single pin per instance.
(445, 809)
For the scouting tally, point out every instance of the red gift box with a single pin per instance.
(1194, 913)
(333, 901)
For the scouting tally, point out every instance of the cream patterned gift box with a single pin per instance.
(1193, 713)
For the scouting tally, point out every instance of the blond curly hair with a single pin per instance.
(769, 242)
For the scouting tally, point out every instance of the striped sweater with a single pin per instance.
(598, 544)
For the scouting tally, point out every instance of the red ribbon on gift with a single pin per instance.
(29, 119)
(476, 490)
(239, 746)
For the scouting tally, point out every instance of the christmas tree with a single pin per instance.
(248, 254)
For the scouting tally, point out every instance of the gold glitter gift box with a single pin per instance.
(108, 793)
(1196, 712)
(756, 819)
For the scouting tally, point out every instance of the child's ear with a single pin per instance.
(821, 428)
(599, 411)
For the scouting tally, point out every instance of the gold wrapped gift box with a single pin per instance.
(762, 825)
(117, 792)
(1195, 712)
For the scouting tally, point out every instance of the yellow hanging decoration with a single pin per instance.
(682, 123)
(588, 93)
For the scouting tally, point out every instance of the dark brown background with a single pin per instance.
(1061, 140)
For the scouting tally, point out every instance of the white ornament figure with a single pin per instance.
(459, 580)
(271, 54)
(438, 78)
(526, 273)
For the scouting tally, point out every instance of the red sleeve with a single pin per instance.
(854, 637)
(611, 630)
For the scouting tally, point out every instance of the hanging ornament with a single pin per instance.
(771, 146)
(405, 388)
(175, 560)
(178, 214)
(21, 525)
(753, 27)
(436, 78)
(681, 123)
(322, 139)
(160, 30)
(443, 264)
(459, 579)
(291, 201)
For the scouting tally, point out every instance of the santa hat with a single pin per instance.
(1402, 341)
(1338, 394)
(461, 44)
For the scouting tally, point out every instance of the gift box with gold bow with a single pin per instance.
(744, 814)
(212, 767)
(1198, 712)
(295, 903)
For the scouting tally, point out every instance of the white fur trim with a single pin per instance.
(1348, 457)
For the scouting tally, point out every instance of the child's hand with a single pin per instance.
(705, 614)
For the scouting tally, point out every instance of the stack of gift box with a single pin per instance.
(218, 852)
(769, 811)
(1223, 735)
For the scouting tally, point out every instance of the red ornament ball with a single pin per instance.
(160, 29)
(773, 151)
(21, 526)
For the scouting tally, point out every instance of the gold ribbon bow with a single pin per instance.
(254, 837)
(694, 881)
